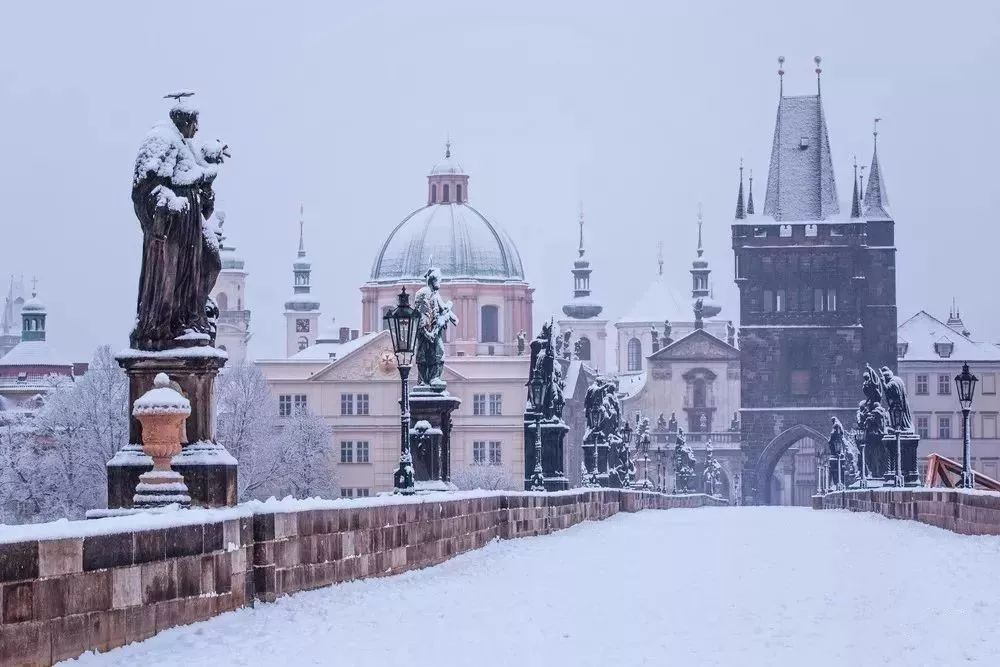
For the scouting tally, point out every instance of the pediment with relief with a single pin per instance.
(699, 344)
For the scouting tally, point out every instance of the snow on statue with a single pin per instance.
(435, 316)
(175, 203)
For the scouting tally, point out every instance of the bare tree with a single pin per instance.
(307, 457)
(247, 427)
(489, 478)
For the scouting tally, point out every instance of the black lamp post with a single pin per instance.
(859, 440)
(966, 384)
(537, 390)
(402, 322)
(626, 441)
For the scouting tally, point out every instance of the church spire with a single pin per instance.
(581, 250)
(701, 251)
(302, 224)
(740, 209)
(750, 196)
(855, 202)
(659, 257)
(876, 203)
(581, 307)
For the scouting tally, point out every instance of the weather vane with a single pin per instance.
(179, 95)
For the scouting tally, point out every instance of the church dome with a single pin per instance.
(456, 238)
(449, 234)
(33, 305)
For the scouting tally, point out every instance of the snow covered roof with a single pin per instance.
(329, 351)
(658, 303)
(34, 353)
(456, 238)
(876, 204)
(33, 305)
(800, 182)
(448, 165)
(922, 335)
(631, 384)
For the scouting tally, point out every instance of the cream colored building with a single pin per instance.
(931, 354)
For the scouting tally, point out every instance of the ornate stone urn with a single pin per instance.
(162, 412)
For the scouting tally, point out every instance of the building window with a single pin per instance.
(635, 355)
(785, 231)
(768, 301)
(479, 452)
(490, 324)
(584, 351)
(362, 449)
(923, 426)
(362, 492)
(434, 193)
(479, 404)
(824, 300)
(458, 193)
(301, 326)
(346, 451)
(496, 405)
(922, 385)
(989, 383)
(811, 230)
(285, 405)
(989, 426)
(495, 449)
(300, 403)
(347, 404)
(222, 301)
(831, 300)
(303, 343)
(346, 492)
(779, 301)
(444, 194)
(362, 404)
(944, 427)
(944, 385)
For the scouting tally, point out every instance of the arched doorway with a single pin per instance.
(787, 465)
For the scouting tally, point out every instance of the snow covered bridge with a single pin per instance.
(709, 586)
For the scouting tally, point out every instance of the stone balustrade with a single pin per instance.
(965, 512)
(62, 597)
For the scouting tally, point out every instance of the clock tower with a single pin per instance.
(302, 310)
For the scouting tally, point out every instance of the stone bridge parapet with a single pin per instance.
(960, 511)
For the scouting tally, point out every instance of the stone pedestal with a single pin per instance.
(595, 448)
(553, 438)
(432, 460)
(908, 445)
(208, 469)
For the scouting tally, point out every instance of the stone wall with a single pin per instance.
(975, 513)
(61, 597)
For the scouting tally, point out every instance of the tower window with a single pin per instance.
(490, 324)
(584, 352)
(444, 194)
(434, 193)
(458, 193)
(303, 343)
(634, 355)
(222, 301)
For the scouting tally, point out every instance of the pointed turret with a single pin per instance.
(302, 310)
(855, 201)
(700, 272)
(750, 195)
(800, 181)
(740, 209)
(581, 307)
(876, 204)
(955, 320)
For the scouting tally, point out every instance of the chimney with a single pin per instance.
(354, 334)
(345, 334)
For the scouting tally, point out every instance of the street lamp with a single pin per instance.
(626, 441)
(402, 323)
(966, 384)
(859, 440)
(537, 390)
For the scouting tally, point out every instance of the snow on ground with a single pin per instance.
(711, 586)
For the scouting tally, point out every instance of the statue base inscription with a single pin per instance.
(208, 469)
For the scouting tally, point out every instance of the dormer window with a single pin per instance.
(944, 348)
(760, 232)
(901, 348)
(803, 143)
(785, 231)
(811, 230)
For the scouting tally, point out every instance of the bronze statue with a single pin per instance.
(174, 200)
(435, 316)
(872, 422)
(520, 342)
(543, 363)
(895, 397)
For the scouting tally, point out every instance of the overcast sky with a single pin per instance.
(641, 110)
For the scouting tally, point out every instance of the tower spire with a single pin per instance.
(750, 196)
(701, 251)
(580, 250)
(740, 210)
(659, 257)
(876, 203)
(447, 147)
(302, 224)
(781, 76)
(855, 201)
(819, 71)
